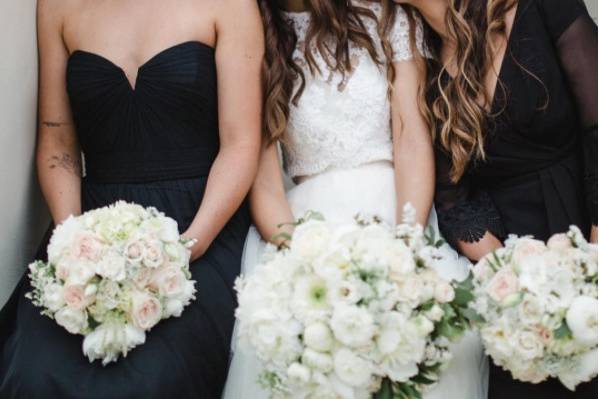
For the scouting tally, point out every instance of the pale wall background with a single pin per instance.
(23, 215)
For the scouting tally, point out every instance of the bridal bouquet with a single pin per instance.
(351, 310)
(112, 274)
(538, 308)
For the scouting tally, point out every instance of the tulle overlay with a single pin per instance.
(339, 195)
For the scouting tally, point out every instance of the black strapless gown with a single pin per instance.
(153, 145)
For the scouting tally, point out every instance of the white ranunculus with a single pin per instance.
(310, 239)
(353, 326)
(585, 369)
(311, 298)
(319, 337)
(317, 361)
(112, 267)
(53, 297)
(351, 369)
(582, 320)
(73, 320)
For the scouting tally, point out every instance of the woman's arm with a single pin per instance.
(413, 150)
(270, 209)
(58, 154)
(239, 52)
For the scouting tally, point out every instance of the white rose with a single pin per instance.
(582, 320)
(53, 297)
(72, 320)
(423, 325)
(153, 255)
(135, 251)
(112, 267)
(584, 370)
(400, 259)
(319, 337)
(317, 361)
(353, 326)
(298, 373)
(351, 369)
(503, 285)
(530, 310)
(310, 239)
(108, 294)
(146, 311)
(528, 345)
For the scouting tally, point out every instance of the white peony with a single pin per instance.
(62, 237)
(353, 326)
(582, 320)
(109, 340)
(73, 320)
(352, 369)
(169, 231)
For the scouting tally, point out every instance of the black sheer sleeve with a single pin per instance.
(575, 37)
(465, 214)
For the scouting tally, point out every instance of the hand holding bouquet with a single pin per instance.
(538, 308)
(351, 310)
(112, 274)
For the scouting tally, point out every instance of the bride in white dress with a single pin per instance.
(349, 147)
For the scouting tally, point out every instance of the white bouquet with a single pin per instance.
(351, 310)
(537, 304)
(112, 274)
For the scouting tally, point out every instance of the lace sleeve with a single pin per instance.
(465, 214)
(400, 37)
(576, 45)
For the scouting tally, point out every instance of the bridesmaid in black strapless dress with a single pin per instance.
(153, 144)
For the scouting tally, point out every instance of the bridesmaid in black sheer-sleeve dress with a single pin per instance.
(183, 135)
(539, 175)
(540, 172)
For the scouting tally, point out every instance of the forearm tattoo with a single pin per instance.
(66, 162)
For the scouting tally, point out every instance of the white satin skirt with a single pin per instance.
(339, 195)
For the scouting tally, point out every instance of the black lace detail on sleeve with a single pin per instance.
(469, 220)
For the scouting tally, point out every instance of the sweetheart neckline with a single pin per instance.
(133, 86)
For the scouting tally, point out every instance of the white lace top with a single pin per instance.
(343, 123)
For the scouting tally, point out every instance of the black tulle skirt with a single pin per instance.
(184, 357)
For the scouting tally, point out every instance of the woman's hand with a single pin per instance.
(198, 249)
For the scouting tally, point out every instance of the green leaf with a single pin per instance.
(463, 297)
(472, 316)
(385, 392)
(563, 331)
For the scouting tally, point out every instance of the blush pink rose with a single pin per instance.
(74, 297)
(527, 247)
(154, 255)
(502, 285)
(135, 251)
(87, 247)
(559, 242)
(169, 281)
(482, 271)
(146, 311)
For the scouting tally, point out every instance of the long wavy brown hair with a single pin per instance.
(334, 25)
(460, 115)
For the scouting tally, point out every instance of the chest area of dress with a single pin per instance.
(332, 107)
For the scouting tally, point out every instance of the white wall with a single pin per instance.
(592, 4)
(23, 217)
